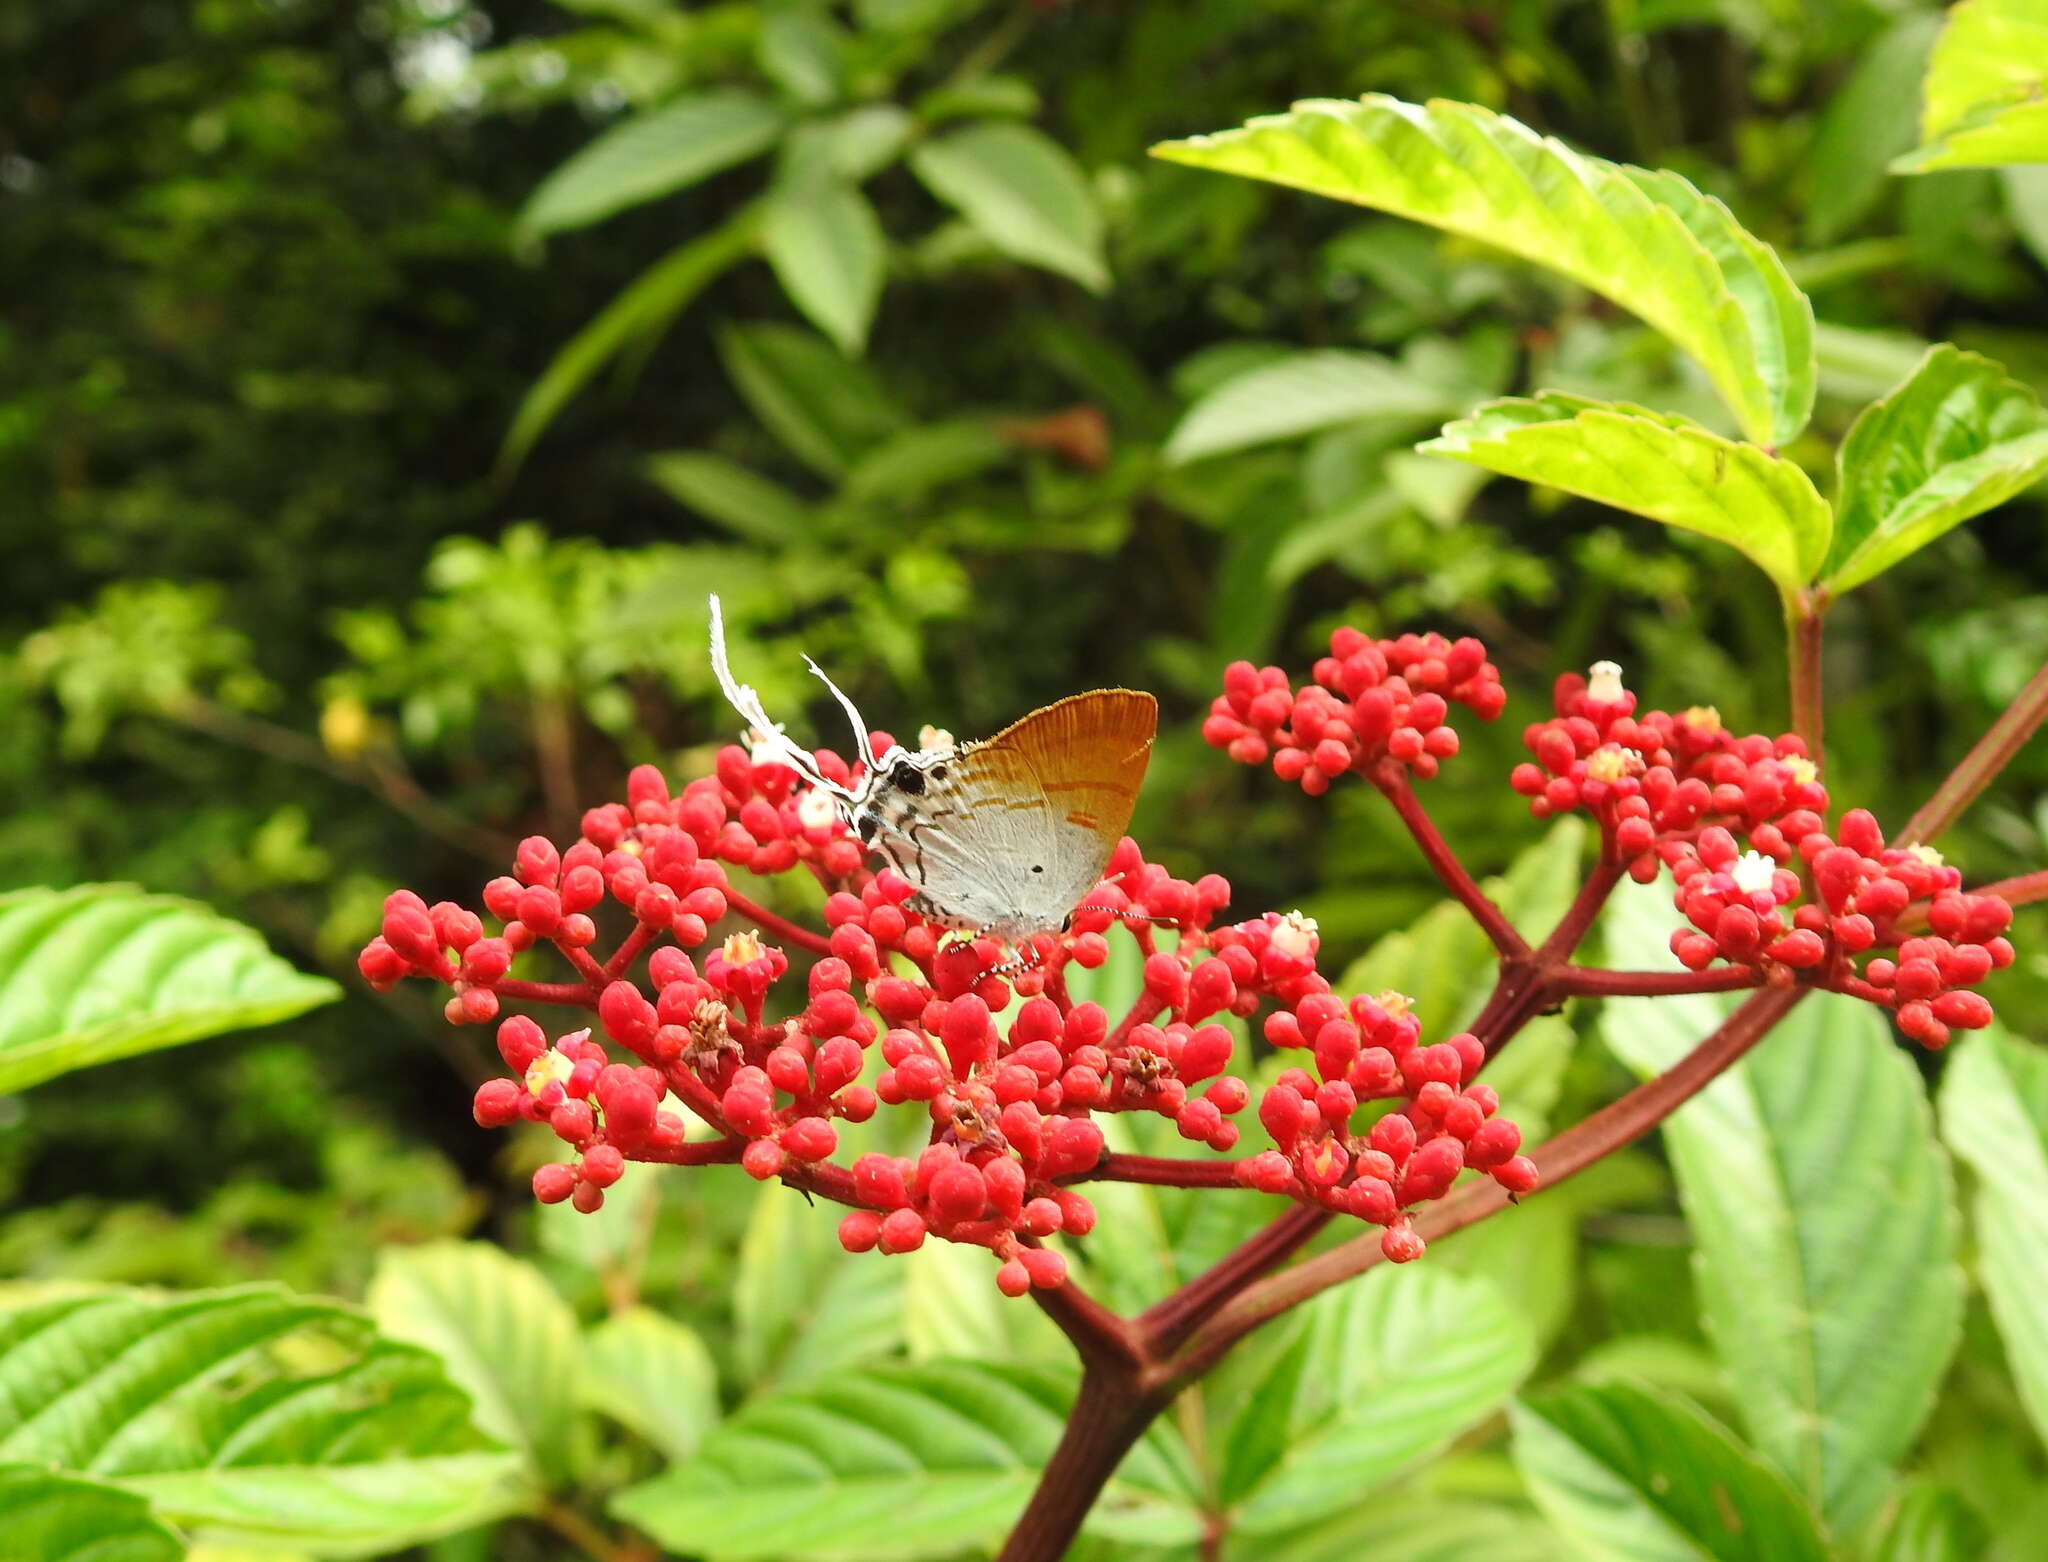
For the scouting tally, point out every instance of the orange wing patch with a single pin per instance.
(1089, 749)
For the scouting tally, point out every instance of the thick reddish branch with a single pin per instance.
(1994, 751)
(1584, 982)
(1392, 780)
(1558, 1159)
(1163, 1171)
(1803, 622)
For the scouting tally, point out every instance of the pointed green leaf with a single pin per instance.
(829, 252)
(1641, 1477)
(104, 971)
(1657, 465)
(653, 1374)
(827, 411)
(51, 1517)
(1986, 97)
(1931, 1524)
(745, 503)
(506, 1336)
(1019, 190)
(637, 317)
(1823, 1215)
(1379, 1375)
(1862, 128)
(653, 154)
(1423, 1529)
(1649, 241)
(1992, 135)
(895, 1463)
(803, 1305)
(1299, 394)
(250, 1415)
(1994, 1113)
(1956, 439)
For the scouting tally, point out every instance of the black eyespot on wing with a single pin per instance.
(865, 824)
(1037, 868)
(908, 778)
(938, 772)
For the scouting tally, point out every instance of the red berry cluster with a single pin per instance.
(1649, 778)
(1370, 1050)
(1370, 700)
(1011, 1070)
(1864, 895)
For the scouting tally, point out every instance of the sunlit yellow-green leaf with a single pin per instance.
(1986, 94)
(1648, 240)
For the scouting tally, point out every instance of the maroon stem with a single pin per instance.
(2024, 890)
(1392, 780)
(1165, 1324)
(781, 927)
(628, 951)
(1110, 1414)
(578, 995)
(1803, 621)
(1583, 982)
(1994, 751)
(1557, 1159)
(1162, 1171)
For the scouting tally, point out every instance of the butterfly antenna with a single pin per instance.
(863, 747)
(744, 700)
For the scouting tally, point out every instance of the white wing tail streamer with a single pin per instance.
(766, 733)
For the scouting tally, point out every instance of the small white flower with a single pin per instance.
(767, 746)
(1929, 856)
(1753, 873)
(1295, 936)
(1603, 683)
(815, 809)
(930, 739)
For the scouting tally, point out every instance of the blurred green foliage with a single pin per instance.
(385, 383)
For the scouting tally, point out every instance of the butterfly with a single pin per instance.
(1004, 836)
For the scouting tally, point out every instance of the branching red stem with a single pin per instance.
(1993, 752)
(1162, 1171)
(1392, 780)
(1583, 982)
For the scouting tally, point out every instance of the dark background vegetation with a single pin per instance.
(281, 631)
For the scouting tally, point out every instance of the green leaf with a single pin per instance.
(830, 254)
(1991, 135)
(1422, 1529)
(652, 1374)
(1021, 192)
(506, 1336)
(1931, 1524)
(895, 1463)
(653, 154)
(1649, 241)
(745, 503)
(51, 1517)
(1984, 92)
(805, 1307)
(1375, 1378)
(1299, 394)
(1994, 1113)
(1643, 1477)
(104, 971)
(1865, 126)
(826, 411)
(1823, 1218)
(1657, 465)
(907, 467)
(250, 1415)
(1956, 439)
(636, 317)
